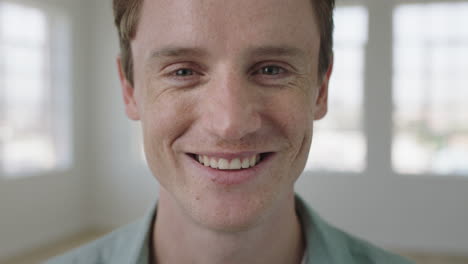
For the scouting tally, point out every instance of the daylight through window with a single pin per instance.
(338, 142)
(32, 124)
(430, 88)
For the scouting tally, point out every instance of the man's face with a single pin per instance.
(228, 83)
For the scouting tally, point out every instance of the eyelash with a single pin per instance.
(183, 69)
(191, 72)
(279, 72)
(277, 69)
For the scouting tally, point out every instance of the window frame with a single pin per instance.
(57, 72)
(378, 98)
(319, 126)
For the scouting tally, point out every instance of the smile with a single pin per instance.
(230, 169)
(231, 163)
(225, 164)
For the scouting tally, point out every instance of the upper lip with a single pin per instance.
(229, 155)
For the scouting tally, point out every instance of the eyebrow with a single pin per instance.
(281, 51)
(259, 51)
(174, 52)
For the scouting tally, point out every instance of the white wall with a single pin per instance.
(428, 215)
(44, 208)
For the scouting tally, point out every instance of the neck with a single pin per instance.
(177, 239)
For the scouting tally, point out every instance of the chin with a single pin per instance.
(232, 215)
(228, 223)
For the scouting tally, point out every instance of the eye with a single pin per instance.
(183, 72)
(272, 70)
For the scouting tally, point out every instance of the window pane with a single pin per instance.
(22, 24)
(29, 125)
(338, 142)
(431, 88)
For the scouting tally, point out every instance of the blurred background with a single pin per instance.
(389, 163)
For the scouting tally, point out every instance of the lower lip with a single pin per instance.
(232, 177)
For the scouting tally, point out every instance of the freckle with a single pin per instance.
(197, 198)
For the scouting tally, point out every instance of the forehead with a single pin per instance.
(226, 27)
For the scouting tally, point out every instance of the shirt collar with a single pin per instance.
(323, 242)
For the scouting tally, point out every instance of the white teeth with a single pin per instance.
(235, 164)
(213, 163)
(206, 161)
(224, 164)
(253, 161)
(245, 163)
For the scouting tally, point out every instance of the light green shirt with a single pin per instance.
(325, 244)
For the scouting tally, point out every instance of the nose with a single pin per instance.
(233, 108)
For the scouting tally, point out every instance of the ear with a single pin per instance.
(128, 93)
(321, 103)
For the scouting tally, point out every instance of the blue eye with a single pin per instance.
(184, 72)
(272, 70)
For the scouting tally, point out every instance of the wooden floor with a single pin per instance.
(42, 254)
(37, 256)
(434, 259)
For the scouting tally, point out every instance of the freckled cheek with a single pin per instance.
(299, 130)
(295, 118)
(165, 121)
(299, 133)
(294, 114)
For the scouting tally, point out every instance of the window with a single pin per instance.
(430, 86)
(338, 142)
(33, 91)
